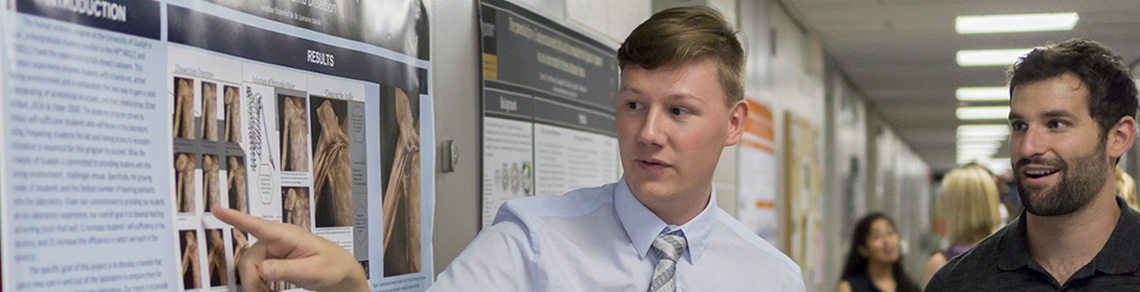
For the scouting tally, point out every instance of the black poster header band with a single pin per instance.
(221, 35)
(523, 49)
(134, 17)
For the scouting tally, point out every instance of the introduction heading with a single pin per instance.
(92, 8)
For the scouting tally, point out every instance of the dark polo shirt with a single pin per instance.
(1002, 262)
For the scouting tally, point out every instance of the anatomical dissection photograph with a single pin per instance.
(332, 165)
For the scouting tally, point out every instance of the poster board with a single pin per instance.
(548, 107)
(757, 164)
(803, 236)
(131, 118)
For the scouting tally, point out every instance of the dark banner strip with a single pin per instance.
(562, 115)
(508, 103)
(492, 84)
(221, 35)
(134, 17)
(525, 49)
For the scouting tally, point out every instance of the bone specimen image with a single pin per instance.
(209, 111)
(211, 191)
(241, 243)
(332, 169)
(233, 115)
(236, 185)
(183, 108)
(401, 209)
(184, 181)
(190, 267)
(295, 207)
(216, 257)
(294, 136)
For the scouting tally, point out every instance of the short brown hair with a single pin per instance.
(682, 34)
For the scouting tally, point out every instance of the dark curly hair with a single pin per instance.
(1112, 92)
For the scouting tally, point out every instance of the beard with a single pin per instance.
(1081, 182)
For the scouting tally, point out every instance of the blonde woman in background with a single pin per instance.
(970, 206)
(1126, 188)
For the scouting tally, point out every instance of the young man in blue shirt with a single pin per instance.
(681, 101)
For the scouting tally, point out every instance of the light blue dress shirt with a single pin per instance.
(598, 239)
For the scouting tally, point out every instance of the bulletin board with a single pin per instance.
(125, 121)
(803, 181)
(548, 107)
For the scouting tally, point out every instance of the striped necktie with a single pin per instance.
(668, 248)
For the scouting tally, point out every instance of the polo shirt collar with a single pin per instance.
(642, 226)
(1013, 248)
(1120, 254)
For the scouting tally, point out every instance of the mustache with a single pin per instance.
(1055, 162)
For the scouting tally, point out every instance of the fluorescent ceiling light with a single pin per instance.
(971, 24)
(984, 128)
(966, 160)
(1003, 57)
(982, 93)
(975, 154)
(993, 145)
(963, 158)
(993, 131)
(983, 113)
(998, 164)
(997, 138)
(975, 143)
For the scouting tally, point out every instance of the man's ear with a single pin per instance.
(1121, 136)
(738, 117)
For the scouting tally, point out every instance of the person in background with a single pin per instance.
(971, 209)
(1003, 190)
(1010, 199)
(874, 261)
(1126, 187)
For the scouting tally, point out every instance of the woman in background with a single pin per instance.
(873, 263)
(1126, 188)
(970, 206)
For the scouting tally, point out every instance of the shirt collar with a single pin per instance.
(1013, 248)
(643, 226)
(1120, 254)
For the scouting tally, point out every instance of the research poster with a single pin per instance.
(125, 121)
(757, 165)
(548, 107)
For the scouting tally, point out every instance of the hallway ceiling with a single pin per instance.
(900, 54)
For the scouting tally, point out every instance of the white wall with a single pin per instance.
(455, 87)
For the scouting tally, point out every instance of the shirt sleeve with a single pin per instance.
(499, 259)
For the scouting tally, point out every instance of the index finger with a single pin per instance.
(260, 228)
